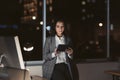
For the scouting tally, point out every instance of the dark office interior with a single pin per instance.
(93, 26)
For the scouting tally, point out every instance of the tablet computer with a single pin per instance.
(62, 47)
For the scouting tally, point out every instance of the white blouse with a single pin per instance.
(61, 57)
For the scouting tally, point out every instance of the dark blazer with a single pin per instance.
(49, 63)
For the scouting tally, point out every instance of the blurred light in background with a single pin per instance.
(83, 18)
(100, 24)
(51, 1)
(28, 47)
(83, 10)
(48, 28)
(40, 3)
(50, 8)
(47, 2)
(37, 28)
(112, 27)
(41, 22)
(34, 17)
(83, 3)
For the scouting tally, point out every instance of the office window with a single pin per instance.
(86, 21)
(114, 29)
(30, 31)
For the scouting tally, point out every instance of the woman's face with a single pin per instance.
(59, 28)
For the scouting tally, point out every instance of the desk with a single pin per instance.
(35, 77)
(9, 73)
(114, 73)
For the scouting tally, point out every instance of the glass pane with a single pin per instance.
(115, 29)
(86, 21)
(30, 30)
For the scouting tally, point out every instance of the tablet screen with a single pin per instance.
(62, 47)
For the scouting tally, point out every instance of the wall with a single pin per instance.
(35, 70)
(95, 71)
(87, 71)
(34, 67)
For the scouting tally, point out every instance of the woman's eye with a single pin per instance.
(57, 26)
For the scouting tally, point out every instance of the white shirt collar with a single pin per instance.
(60, 38)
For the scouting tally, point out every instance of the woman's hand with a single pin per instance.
(69, 51)
(56, 52)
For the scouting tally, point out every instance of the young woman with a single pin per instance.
(57, 63)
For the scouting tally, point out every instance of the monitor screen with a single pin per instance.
(10, 52)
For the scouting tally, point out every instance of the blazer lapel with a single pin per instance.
(53, 43)
(66, 40)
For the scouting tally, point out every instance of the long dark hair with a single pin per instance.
(65, 27)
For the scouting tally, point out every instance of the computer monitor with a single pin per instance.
(10, 52)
